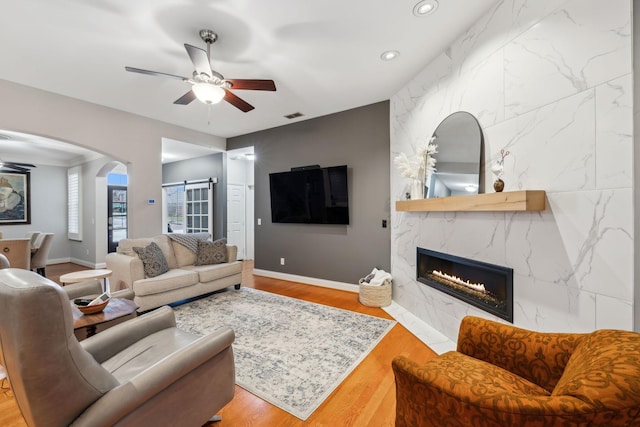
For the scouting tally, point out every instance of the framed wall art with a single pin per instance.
(15, 198)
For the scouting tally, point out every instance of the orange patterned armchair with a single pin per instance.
(501, 375)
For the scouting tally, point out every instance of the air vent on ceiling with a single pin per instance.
(294, 115)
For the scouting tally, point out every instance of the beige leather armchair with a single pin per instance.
(141, 372)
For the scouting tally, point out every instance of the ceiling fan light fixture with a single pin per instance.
(208, 93)
(425, 7)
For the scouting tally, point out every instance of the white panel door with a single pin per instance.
(236, 218)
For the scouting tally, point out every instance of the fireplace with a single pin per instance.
(486, 286)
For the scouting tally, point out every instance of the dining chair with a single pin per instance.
(40, 257)
(35, 244)
(33, 236)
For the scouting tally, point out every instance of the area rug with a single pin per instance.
(289, 352)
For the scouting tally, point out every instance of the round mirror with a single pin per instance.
(459, 140)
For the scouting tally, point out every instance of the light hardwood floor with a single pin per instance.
(365, 398)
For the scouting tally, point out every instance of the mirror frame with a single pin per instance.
(471, 130)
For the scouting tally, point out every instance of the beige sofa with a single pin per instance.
(183, 280)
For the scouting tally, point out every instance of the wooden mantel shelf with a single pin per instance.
(525, 200)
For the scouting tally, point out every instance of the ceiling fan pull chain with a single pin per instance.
(208, 114)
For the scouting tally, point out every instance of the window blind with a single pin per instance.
(74, 211)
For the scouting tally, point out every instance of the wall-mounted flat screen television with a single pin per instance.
(310, 196)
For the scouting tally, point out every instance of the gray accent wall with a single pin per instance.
(211, 166)
(358, 138)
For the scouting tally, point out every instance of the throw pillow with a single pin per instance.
(153, 260)
(211, 252)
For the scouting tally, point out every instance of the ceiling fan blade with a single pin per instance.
(186, 98)
(252, 84)
(27, 165)
(15, 168)
(237, 101)
(200, 59)
(154, 73)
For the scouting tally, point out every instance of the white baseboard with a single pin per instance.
(83, 263)
(58, 261)
(349, 287)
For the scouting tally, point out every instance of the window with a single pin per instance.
(74, 203)
(188, 208)
(174, 207)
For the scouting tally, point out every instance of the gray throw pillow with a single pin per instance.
(153, 260)
(211, 252)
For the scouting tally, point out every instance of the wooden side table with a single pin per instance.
(118, 310)
(81, 276)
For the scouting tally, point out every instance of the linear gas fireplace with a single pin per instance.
(486, 286)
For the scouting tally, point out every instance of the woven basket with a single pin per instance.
(375, 296)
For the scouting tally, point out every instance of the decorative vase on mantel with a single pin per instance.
(417, 189)
(498, 169)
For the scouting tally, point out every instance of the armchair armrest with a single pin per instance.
(115, 339)
(81, 289)
(125, 270)
(148, 385)
(94, 287)
(540, 357)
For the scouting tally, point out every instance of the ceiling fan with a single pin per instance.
(209, 86)
(20, 167)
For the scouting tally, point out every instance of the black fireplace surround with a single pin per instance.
(486, 286)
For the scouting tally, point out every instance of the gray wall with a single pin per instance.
(200, 168)
(358, 138)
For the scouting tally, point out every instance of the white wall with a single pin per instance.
(131, 139)
(48, 210)
(551, 82)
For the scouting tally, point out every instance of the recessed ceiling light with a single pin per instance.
(425, 7)
(389, 55)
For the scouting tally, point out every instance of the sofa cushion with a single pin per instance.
(153, 260)
(184, 256)
(125, 246)
(172, 279)
(208, 273)
(185, 246)
(211, 252)
(603, 370)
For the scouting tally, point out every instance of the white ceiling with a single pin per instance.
(324, 56)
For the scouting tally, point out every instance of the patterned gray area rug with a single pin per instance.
(289, 352)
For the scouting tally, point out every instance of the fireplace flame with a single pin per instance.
(455, 279)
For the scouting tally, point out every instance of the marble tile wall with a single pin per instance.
(551, 82)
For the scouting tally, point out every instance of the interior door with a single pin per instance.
(116, 216)
(236, 218)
